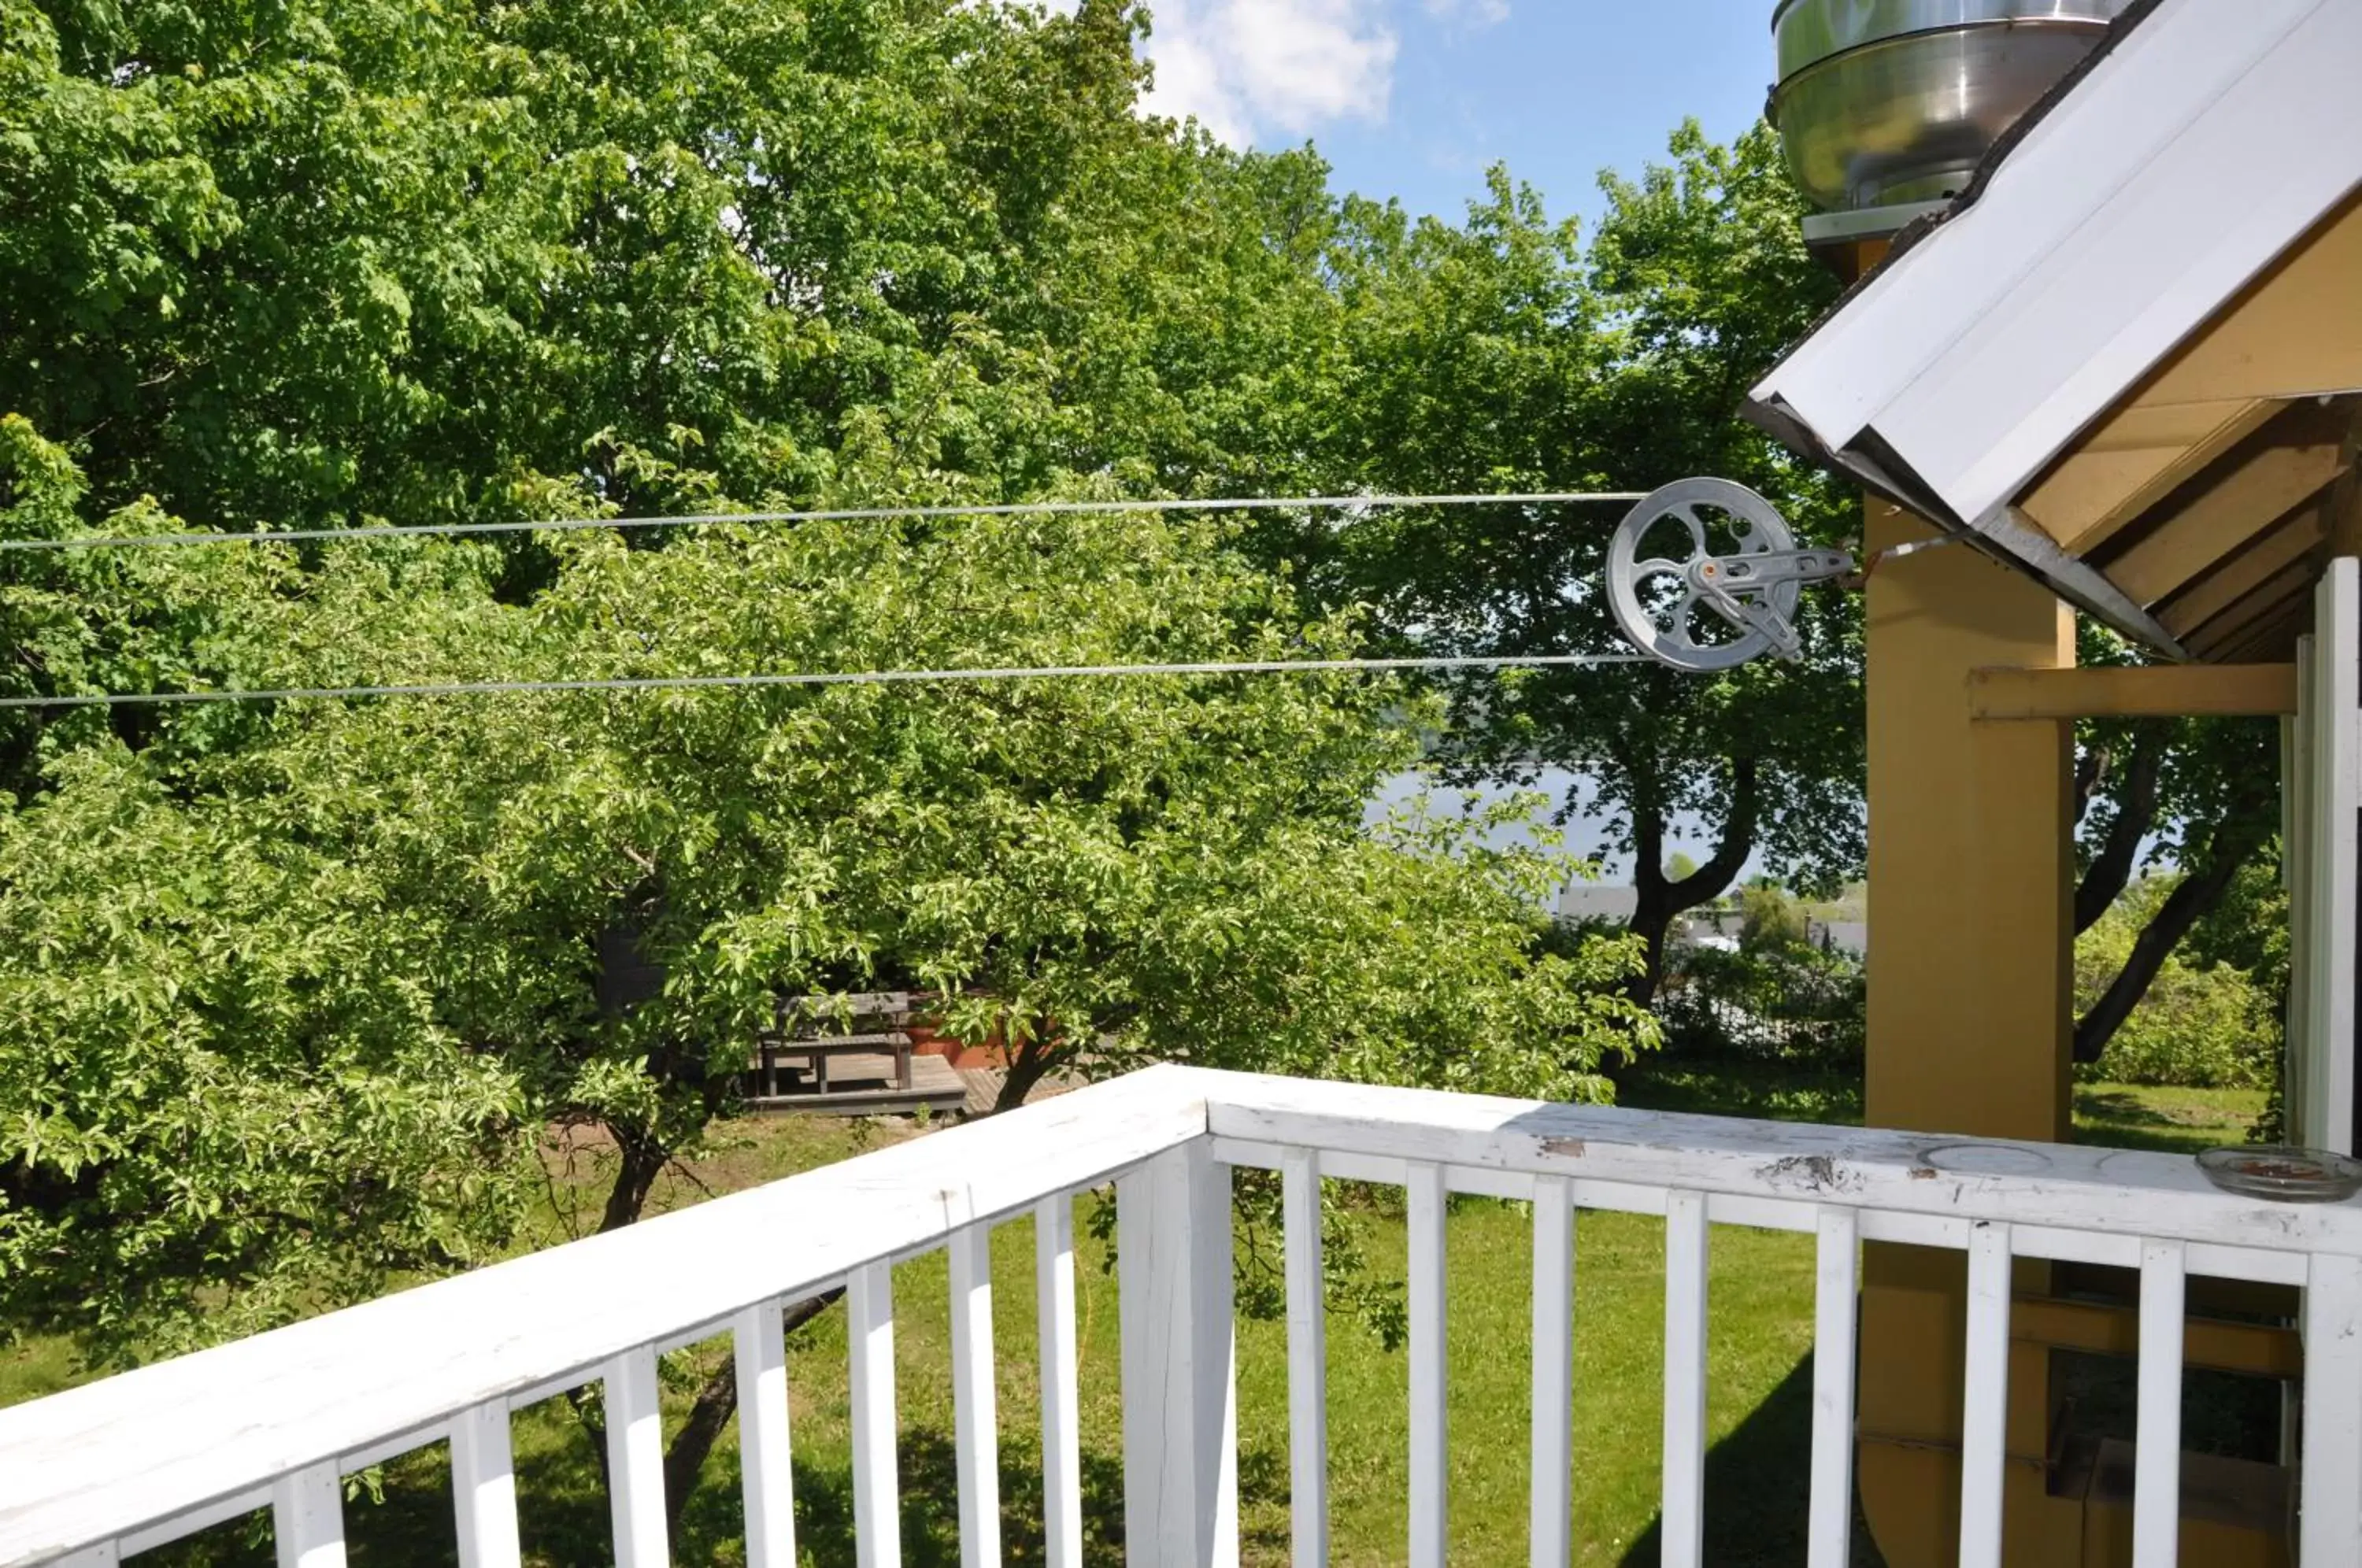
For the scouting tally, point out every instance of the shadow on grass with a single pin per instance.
(2119, 1119)
(1757, 1486)
(563, 1515)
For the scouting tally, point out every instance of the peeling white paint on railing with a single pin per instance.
(276, 1420)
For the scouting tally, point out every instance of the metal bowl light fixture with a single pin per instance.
(1894, 103)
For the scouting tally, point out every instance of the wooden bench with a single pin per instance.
(802, 1028)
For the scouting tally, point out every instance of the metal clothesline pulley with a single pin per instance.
(1705, 575)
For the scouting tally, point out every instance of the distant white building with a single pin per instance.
(1703, 928)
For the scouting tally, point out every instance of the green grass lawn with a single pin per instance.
(1760, 1377)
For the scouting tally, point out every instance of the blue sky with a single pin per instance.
(1414, 98)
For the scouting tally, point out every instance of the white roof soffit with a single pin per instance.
(2207, 141)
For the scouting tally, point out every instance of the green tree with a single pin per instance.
(1503, 354)
(281, 1020)
(1771, 920)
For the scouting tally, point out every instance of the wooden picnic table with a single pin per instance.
(800, 1030)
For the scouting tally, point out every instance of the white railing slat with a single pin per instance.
(2329, 1526)
(636, 1491)
(2157, 1463)
(105, 1555)
(766, 1472)
(976, 1420)
(1308, 1360)
(1180, 1394)
(1835, 1326)
(1550, 1529)
(307, 1519)
(1430, 1430)
(1984, 1430)
(1686, 1306)
(876, 1483)
(1062, 1453)
(483, 1487)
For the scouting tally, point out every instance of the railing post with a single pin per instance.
(1062, 1458)
(2156, 1466)
(1686, 1261)
(1985, 1415)
(876, 1480)
(1180, 1408)
(2330, 1484)
(976, 1420)
(483, 1487)
(1427, 1198)
(758, 1341)
(1834, 1342)
(635, 1461)
(307, 1518)
(1550, 1539)
(1308, 1360)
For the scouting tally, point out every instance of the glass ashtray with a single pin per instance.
(2283, 1176)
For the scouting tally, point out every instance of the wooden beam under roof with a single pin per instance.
(2258, 604)
(2134, 460)
(2233, 632)
(2214, 513)
(2133, 691)
(2289, 542)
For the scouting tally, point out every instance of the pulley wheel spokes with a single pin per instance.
(1705, 575)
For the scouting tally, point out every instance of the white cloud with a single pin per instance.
(1470, 14)
(1246, 68)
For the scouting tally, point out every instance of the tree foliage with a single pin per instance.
(281, 1018)
(2199, 1025)
(308, 265)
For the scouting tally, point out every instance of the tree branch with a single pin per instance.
(2111, 868)
(1659, 898)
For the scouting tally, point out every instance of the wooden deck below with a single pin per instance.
(864, 1086)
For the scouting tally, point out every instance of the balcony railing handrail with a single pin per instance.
(97, 1462)
(272, 1419)
(2101, 1193)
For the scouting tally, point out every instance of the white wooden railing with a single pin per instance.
(276, 1420)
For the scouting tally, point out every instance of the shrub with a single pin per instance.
(1792, 1004)
(2201, 1026)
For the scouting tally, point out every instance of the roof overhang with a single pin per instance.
(2158, 276)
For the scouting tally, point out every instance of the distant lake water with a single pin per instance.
(1585, 837)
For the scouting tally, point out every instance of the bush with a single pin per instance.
(1792, 1004)
(1772, 922)
(2202, 1025)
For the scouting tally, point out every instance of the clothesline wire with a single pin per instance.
(849, 678)
(835, 514)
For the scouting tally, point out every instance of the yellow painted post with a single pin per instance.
(1971, 1005)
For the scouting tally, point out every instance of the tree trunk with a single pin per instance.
(641, 1160)
(1027, 1068)
(2229, 848)
(1660, 898)
(2111, 868)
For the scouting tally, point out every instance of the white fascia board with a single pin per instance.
(2203, 146)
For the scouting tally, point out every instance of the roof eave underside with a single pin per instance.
(2205, 142)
